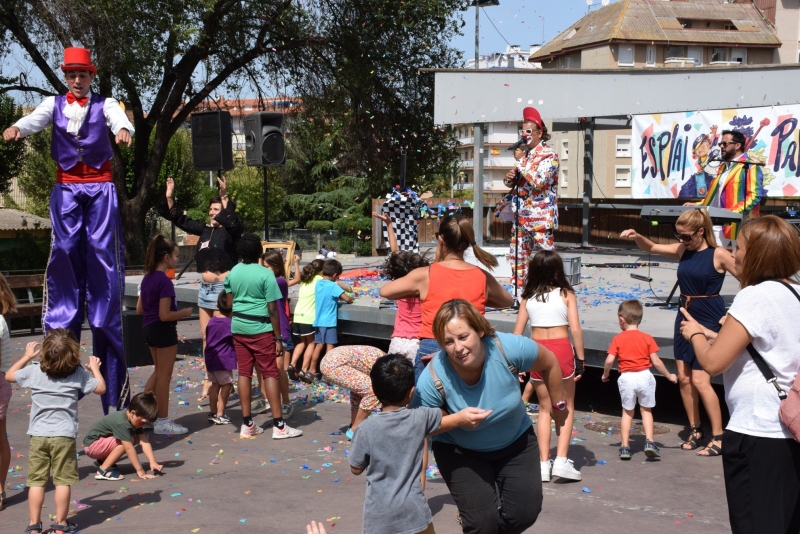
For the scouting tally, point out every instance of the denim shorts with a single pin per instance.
(208, 294)
(325, 334)
(427, 347)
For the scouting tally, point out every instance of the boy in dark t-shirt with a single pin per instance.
(117, 434)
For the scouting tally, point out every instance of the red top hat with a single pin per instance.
(531, 115)
(78, 59)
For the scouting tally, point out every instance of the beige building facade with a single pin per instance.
(656, 34)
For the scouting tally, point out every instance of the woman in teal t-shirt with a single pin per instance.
(478, 368)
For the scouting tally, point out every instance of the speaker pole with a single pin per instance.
(266, 206)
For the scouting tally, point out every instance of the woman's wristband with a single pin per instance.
(696, 334)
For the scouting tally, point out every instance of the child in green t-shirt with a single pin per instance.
(117, 434)
(253, 294)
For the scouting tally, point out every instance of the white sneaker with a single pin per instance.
(250, 432)
(169, 427)
(287, 410)
(546, 466)
(259, 406)
(565, 469)
(287, 432)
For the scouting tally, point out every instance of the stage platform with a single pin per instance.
(605, 282)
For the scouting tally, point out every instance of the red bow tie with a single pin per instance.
(72, 98)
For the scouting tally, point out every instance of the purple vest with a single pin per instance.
(92, 141)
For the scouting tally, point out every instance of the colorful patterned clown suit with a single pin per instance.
(538, 209)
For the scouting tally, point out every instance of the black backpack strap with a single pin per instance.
(511, 367)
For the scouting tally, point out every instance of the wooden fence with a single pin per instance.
(607, 217)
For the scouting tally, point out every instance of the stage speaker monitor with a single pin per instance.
(212, 143)
(264, 144)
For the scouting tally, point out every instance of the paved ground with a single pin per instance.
(216, 482)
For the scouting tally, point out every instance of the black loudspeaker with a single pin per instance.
(137, 353)
(212, 143)
(263, 135)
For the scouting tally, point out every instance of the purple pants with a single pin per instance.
(87, 265)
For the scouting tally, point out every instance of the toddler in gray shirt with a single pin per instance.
(389, 445)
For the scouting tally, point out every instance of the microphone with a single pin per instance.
(518, 144)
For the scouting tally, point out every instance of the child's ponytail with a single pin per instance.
(310, 271)
(159, 247)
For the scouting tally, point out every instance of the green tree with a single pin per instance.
(164, 58)
(12, 155)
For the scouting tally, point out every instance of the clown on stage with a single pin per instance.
(535, 176)
(87, 260)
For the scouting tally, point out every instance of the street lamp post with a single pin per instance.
(477, 162)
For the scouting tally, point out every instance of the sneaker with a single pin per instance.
(546, 467)
(287, 410)
(651, 450)
(287, 432)
(224, 420)
(259, 406)
(212, 419)
(170, 427)
(565, 469)
(250, 432)
(531, 408)
(624, 453)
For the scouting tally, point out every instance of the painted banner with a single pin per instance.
(675, 155)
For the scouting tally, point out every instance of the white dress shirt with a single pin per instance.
(42, 116)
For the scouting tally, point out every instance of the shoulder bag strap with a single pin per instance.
(437, 383)
(759, 360)
(511, 367)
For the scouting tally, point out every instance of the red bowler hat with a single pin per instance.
(79, 59)
(531, 115)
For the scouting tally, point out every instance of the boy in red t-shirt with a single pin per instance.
(636, 352)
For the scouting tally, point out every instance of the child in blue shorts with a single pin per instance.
(327, 294)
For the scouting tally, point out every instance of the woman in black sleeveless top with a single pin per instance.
(701, 271)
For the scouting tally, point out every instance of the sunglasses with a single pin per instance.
(436, 235)
(686, 237)
(726, 143)
(529, 131)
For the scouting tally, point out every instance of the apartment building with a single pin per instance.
(653, 34)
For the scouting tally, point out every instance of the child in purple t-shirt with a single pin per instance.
(220, 361)
(273, 260)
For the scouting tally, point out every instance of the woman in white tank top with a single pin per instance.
(549, 305)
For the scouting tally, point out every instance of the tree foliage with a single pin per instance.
(11, 154)
(355, 61)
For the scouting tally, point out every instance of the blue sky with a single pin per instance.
(520, 22)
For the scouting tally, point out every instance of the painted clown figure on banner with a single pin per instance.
(535, 177)
(87, 261)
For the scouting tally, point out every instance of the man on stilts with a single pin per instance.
(87, 255)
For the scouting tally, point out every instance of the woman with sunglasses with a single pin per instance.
(701, 270)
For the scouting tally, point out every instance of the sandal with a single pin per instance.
(63, 529)
(694, 438)
(34, 528)
(108, 474)
(712, 450)
(458, 517)
(292, 372)
(624, 453)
